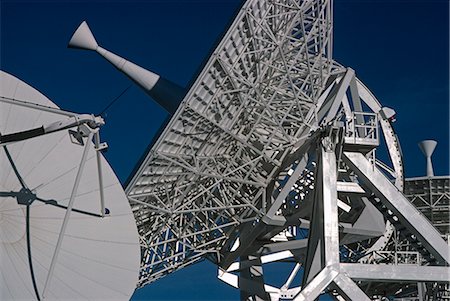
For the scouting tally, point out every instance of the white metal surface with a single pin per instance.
(396, 273)
(97, 257)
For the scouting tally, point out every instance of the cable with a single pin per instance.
(114, 100)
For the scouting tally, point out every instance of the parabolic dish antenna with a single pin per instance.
(48, 251)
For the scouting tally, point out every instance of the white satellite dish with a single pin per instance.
(47, 251)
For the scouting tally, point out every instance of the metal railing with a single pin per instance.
(362, 128)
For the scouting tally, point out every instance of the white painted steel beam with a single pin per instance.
(349, 288)
(320, 282)
(395, 273)
(323, 240)
(67, 215)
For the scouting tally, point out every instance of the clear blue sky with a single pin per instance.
(400, 49)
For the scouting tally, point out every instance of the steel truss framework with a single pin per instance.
(431, 195)
(212, 168)
(329, 257)
(236, 172)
